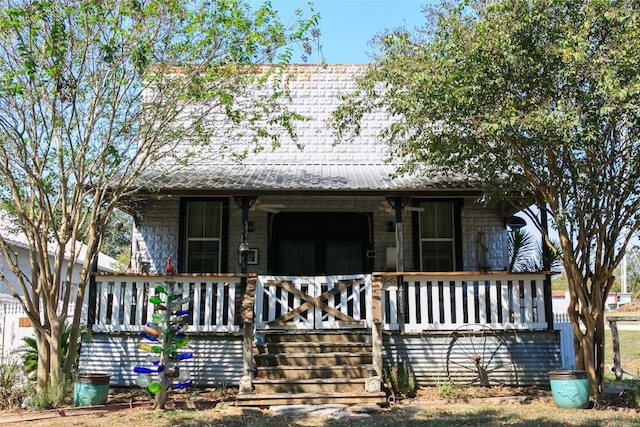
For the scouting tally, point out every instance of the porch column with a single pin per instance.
(376, 328)
(398, 204)
(246, 382)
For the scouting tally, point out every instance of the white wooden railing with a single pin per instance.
(431, 301)
(313, 302)
(447, 301)
(122, 302)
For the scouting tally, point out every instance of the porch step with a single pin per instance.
(311, 347)
(311, 367)
(311, 385)
(310, 372)
(308, 336)
(264, 400)
(312, 359)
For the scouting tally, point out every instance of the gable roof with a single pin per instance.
(315, 163)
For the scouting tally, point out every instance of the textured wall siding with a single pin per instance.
(217, 361)
(533, 354)
(156, 234)
(219, 357)
(477, 218)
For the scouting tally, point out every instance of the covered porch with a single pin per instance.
(465, 327)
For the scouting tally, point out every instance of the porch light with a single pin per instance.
(243, 248)
(514, 222)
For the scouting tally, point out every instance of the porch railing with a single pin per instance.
(428, 301)
(447, 301)
(121, 303)
(313, 302)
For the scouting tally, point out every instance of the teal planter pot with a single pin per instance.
(570, 389)
(91, 389)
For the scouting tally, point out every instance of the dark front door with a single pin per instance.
(314, 243)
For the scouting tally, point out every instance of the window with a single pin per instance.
(203, 236)
(437, 236)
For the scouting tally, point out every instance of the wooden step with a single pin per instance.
(310, 372)
(289, 335)
(311, 347)
(265, 400)
(314, 385)
(313, 359)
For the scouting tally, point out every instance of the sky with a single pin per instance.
(347, 26)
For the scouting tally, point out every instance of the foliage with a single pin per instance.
(92, 92)
(526, 255)
(29, 352)
(538, 103)
(117, 239)
(401, 380)
(56, 394)
(11, 385)
(448, 390)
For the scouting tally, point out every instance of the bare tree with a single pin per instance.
(76, 79)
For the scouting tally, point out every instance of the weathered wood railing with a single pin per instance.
(120, 303)
(446, 301)
(313, 302)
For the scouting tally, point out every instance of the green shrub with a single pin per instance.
(12, 390)
(447, 390)
(29, 351)
(401, 380)
(53, 396)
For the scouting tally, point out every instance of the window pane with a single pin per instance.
(436, 221)
(203, 256)
(437, 256)
(204, 219)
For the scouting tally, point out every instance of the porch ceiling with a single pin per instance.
(302, 178)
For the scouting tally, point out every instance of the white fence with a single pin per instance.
(434, 302)
(123, 302)
(12, 329)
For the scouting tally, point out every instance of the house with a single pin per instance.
(561, 300)
(318, 242)
(14, 325)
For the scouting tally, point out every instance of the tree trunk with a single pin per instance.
(55, 349)
(599, 352)
(43, 362)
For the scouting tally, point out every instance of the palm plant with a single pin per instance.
(29, 352)
(525, 252)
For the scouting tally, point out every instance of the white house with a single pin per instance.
(13, 323)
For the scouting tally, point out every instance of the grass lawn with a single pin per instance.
(629, 352)
(531, 414)
(535, 412)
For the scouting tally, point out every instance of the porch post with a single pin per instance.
(546, 266)
(246, 382)
(398, 204)
(376, 328)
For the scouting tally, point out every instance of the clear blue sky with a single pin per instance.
(348, 25)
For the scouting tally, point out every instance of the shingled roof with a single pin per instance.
(315, 162)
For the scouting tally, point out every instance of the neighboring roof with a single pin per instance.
(313, 163)
(8, 232)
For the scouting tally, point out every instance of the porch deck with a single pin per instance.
(405, 316)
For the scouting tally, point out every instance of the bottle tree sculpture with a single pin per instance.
(164, 339)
